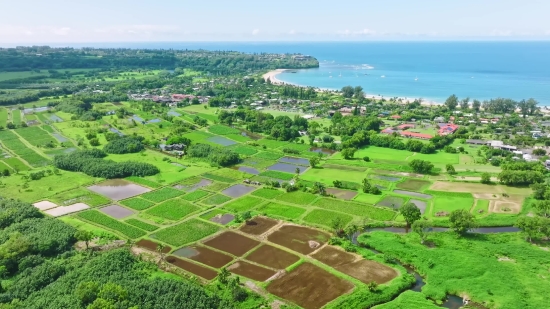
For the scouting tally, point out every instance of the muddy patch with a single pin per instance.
(342, 194)
(152, 246)
(195, 269)
(251, 271)
(204, 256)
(232, 243)
(116, 211)
(223, 219)
(258, 225)
(238, 190)
(272, 257)
(297, 238)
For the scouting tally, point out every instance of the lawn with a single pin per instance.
(297, 197)
(362, 210)
(110, 223)
(243, 204)
(325, 217)
(216, 199)
(267, 193)
(162, 194)
(186, 232)
(281, 210)
(137, 203)
(173, 210)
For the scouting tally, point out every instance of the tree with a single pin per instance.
(464, 103)
(224, 275)
(85, 236)
(532, 227)
(372, 286)
(94, 142)
(247, 215)
(476, 105)
(320, 188)
(366, 185)
(486, 178)
(160, 250)
(337, 224)
(348, 153)
(422, 227)
(410, 212)
(542, 208)
(421, 166)
(313, 162)
(347, 91)
(450, 169)
(87, 292)
(6, 172)
(451, 102)
(462, 221)
(539, 152)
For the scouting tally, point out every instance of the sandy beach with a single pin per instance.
(272, 76)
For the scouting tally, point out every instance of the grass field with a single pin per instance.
(325, 217)
(282, 210)
(452, 202)
(16, 164)
(137, 203)
(269, 155)
(186, 232)
(16, 117)
(243, 204)
(172, 210)
(371, 212)
(328, 175)
(142, 225)
(110, 223)
(3, 117)
(161, 195)
(297, 197)
(11, 141)
(244, 150)
(267, 193)
(79, 195)
(222, 130)
(195, 195)
(216, 199)
(35, 136)
(277, 175)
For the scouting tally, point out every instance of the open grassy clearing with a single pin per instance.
(186, 232)
(281, 210)
(325, 217)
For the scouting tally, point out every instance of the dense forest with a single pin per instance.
(215, 62)
(41, 269)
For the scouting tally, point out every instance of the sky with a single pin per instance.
(70, 21)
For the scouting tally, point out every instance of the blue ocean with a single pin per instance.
(428, 70)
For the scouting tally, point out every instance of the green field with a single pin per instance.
(79, 195)
(172, 210)
(216, 199)
(3, 117)
(195, 195)
(161, 195)
(16, 117)
(452, 201)
(137, 203)
(110, 223)
(325, 217)
(267, 193)
(371, 212)
(11, 141)
(277, 175)
(186, 232)
(297, 197)
(282, 211)
(142, 225)
(243, 204)
(15, 163)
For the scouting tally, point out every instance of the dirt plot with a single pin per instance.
(251, 271)
(398, 173)
(223, 219)
(299, 238)
(412, 184)
(204, 256)
(258, 225)
(504, 207)
(152, 246)
(343, 194)
(272, 257)
(238, 190)
(195, 269)
(364, 270)
(309, 286)
(233, 243)
(393, 202)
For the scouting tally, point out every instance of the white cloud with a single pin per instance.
(61, 31)
(255, 31)
(366, 32)
(501, 33)
(292, 32)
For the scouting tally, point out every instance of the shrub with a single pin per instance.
(124, 144)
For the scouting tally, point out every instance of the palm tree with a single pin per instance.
(320, 188)
(160, 249)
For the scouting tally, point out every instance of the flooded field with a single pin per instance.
(393, 202)
(342, 194)
(258, 225)
(116, 211)
(299, 238)
(386, 178)
(322, 150)
(413, 194)
(293, 160)
(249, 170)
(223, 219)
(118, 189)
(204, 256)
(272, 257)
(238, 190)
(232, 243)
(309, 286)
(287, 168)
(353, 265)
(195, 269)
(420, 204)
(192, 188)
(221, 141)
(251, 271)
(152, 246)
(60, 138)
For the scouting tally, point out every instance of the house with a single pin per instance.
(395, 117)
(476, 142)
(174, 147)
(447, 128)
(415, 135)
(406, 126)
(501, 145)
(439, 119)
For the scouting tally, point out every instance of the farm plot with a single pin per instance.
(258, 163)
(287, 168)
(3, 117)
(142, 225)
(251, 271)
(271, 143)
(309, 286)
(222, 130)
(35, 136)
(118, 189)
(230, 173)
(16, 164)
(450, 201)
(16, 117)
(363, 210)
(216, 199)
(143, 181)
(295, 161)
(195, 269)
(327, 175)
(249, 170)
(65, 210)
(45, 205)
(342, 194)
(272, 257)
(268, 155)
(353, 265)
(221, 141)
(277, 175)
(243, 204)
(422, 205)
(194, 186)
(282, 210)
(244, 150)
(110, 223)
(152, 246)
(232, 243)
(218, 178)
(11, 141)
(238, 190)
(325, 217)
(258, 225)
(393, 202)
(173, 210)
(80, 195)
(297, 197)
(137, 203)
(413, 194)
(413, 184)
(267, 193)
(116, 211)
(204, 256)
(186, 232)
(299, 238)
(162, 195)
(195, 195)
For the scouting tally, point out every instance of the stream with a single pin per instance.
(452, 301)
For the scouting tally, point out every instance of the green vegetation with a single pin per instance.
(12, 142)
(161, 195)
(409, 300)
(222, 130)
(267, 193)
(142, 225)
(186, 232)
(298, 197)
(172, 210)
(325, 217)
(244, 203)
(79, 195)
(282, 211)
(371, 212)
(216, 199)
(195, 195)
(110, 223)
(277, 175)
(137, 203)
(143, 181)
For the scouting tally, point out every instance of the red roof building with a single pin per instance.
(406, 126)
(415, 135)
(395, 117)
(446, 129)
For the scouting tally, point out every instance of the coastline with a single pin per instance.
(272, 76)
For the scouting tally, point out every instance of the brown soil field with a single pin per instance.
(299, 238)
(251, 271)
(200, 271)
(504, 207)
(353, 265)
(204, 256)
(272, 257)
(309, 286)
(151, 245)
(232, 243)
(258, 225)
(343, 194)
